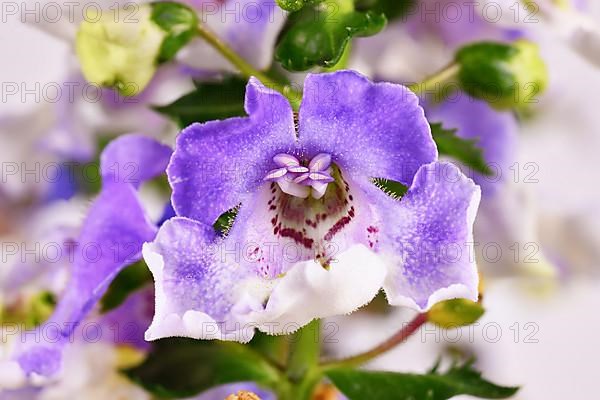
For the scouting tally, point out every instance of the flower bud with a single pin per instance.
(120, 50)
(455, 313)
(505, 75)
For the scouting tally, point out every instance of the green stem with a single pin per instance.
(304, 352)
(302, 371)
(435, 82)
(246, 69)
(396, 339)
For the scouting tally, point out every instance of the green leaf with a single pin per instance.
(317, 36)
(372, 385)
(273, 347)
(179, 367)
(393, 9)
(463, 150)
(296, 5)
(225, 221)
(129, 280)
(210, 101)
(391, 188)
(179, 22)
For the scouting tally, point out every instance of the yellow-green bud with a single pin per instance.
(119, 52)
(455, 313)
(505, 75)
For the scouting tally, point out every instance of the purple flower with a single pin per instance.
(314, 236)
(110, 239)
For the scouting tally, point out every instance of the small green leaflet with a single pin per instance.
(179, 22)
(225, 221)
(181, 367)
(391, 188)
(296, 5)
(393, 9)
(463, 150)
(209, 101)
(372, 385)
(317, 35)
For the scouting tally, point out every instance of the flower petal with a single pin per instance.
(320, 162)
(217, 163)
(298, 169)
(320, 177)
(286, 160)
(370, 129)
(430, 243)
(275, 174)
(290, 187)
(133, 159)
(309, 291)
(195, 287)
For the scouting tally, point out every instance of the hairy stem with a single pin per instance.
(246, 68)
(435, 83)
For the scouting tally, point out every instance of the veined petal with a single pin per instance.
(217, 164)
(111, 238)
(320, 176)
(309, 291)
(298, 169)
(275, 174)
(286, 160)
(320, 162)
(301, 178)
(429, 245)
(197, 286)
(370, 129)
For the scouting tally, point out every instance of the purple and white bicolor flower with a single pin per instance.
(314, 236)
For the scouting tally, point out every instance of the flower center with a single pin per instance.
(301, 181)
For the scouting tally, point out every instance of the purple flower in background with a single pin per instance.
(111, 238)
(250, 27)
(495, 131)
(314, 236)
(99, 349)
